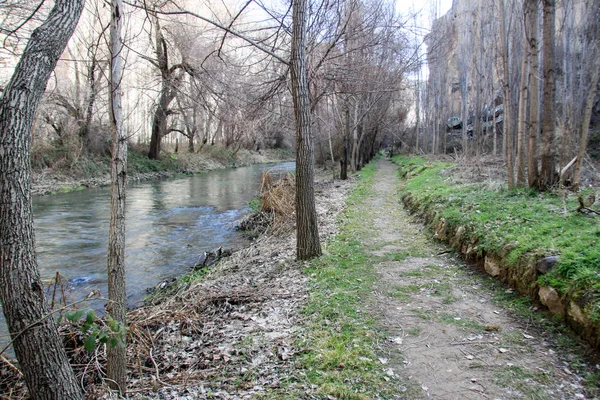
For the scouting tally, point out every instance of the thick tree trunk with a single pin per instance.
(116, 358)
(84, 131)
(521, 121)
(534, 94)
(507, 104)
(167, 94)
(548, 173)
(308, 245)
(37, 344)
(191, 149)
(158, 126)
(585, 127)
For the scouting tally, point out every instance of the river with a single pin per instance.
(169, 224)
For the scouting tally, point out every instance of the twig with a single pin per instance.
(42, 319)
(156, 368)
(11, 365)
(583, 209)
(473, 342)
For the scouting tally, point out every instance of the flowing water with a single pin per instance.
(169, 224)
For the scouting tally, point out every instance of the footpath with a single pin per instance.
(454, 332)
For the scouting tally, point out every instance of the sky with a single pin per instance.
(423, 8)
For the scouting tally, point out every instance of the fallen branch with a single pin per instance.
(583, 209)
(566, 168)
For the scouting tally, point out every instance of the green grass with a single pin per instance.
(522, 379)
(533, 223)
(140, 163)
(460, 321)
(339, 346)
(415, 331)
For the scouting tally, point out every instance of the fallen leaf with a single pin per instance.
(397, 340)
(526, 336)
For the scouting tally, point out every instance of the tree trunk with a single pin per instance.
(37, 344)
(507, 103)
(534, 94)
(167, 94)
(116, 357)
(464, 93)
(417, 112)
(521, 121)
(354, 136)
(308, 245)
(585, 127)
(344, 159)
(331, 149)
(548, 173)
(159, 122)
(84, 131)
(494, 133)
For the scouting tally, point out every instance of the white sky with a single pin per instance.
(424, 10)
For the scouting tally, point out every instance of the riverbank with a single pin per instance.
(384, 313)
(230, 332)
(221, 332)
(62, 177)
(545, 245)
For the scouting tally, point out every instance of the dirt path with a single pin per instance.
(447, 339)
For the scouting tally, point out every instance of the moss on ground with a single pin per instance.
(522, 225)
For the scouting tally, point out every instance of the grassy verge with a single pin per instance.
(57, 170)
(520, 225)
(339, 355)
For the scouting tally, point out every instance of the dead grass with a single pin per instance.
(224, 334)
(278, 197)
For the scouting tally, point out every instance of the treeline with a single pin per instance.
(517, 78)
(194, 81)
(331, 72)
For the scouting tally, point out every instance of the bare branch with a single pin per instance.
(218, 25)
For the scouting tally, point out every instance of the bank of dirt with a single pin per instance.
(68, 176)
(233, 334)
(229, 334)
(447, 335)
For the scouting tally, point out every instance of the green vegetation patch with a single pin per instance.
(339, 357)
(460, 321)
(523, 380)
(521, 225)
(140, 163)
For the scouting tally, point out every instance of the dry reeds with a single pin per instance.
(278, 198)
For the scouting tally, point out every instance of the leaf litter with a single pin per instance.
(228, 335)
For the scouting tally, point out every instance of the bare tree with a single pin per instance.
(308, 244)
(531, 9)
(507, 93)
(170, 79)
(592, 37)
(37, 345)
(548, 171)
(522, 114)
(116, 358)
